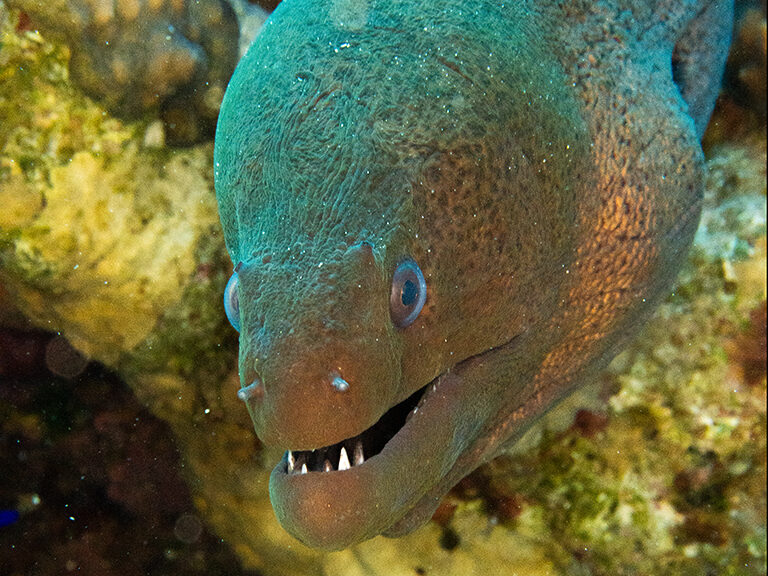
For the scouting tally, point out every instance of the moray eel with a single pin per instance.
(445, 216)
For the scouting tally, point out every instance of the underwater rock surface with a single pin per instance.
(113, 240)
(167, 57)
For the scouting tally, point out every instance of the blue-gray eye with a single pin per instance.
(232, 302)
(409, 292)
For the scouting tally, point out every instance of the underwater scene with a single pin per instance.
(405, 289)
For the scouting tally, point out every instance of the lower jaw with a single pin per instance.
(333, 510)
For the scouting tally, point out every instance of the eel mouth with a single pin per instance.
(339, 495)
(356, 450)
(390, 478)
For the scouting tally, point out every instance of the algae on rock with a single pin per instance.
(101, 233)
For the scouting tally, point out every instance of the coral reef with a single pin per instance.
(98, 220)
(143, 59)
(134, 56)
(743, 101)
(112, 239)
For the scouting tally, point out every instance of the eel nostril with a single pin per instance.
(339, 383)
(253, 391)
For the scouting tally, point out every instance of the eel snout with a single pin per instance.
(345, 493)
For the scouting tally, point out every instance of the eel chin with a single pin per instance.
(340, 495)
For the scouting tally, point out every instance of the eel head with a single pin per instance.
(392, 191)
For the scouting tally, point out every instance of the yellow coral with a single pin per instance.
(117, 236)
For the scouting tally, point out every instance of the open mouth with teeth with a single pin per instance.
(379, 481)
(354, 451)
(390, 478)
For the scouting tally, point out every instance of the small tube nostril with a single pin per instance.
(251, 392)
(340, 384)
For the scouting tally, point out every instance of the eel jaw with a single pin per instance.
(331, 508)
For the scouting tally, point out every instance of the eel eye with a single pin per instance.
(409, 292)
(232, 302)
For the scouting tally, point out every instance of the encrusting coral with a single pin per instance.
(173, 57)
(113, 240)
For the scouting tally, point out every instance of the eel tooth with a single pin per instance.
(291, 461)
(304, 468)
(299, 463)
(327, 466)
(359, 456)
(343, 459)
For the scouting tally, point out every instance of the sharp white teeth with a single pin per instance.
(298, 463)
(343, 459)
(359, 456)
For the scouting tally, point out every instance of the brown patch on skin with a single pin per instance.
(748, 349)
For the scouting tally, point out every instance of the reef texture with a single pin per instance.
(743, 102)
(147, 57)
(95, 479)
(112, 239)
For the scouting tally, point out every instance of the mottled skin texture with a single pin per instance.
(536, 159)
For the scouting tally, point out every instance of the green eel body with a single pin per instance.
(540, 161)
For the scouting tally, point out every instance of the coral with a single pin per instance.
(175, 57)
(748, 349)
(741, 107)
(100, 224)
(96, 482)
(23, 355)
